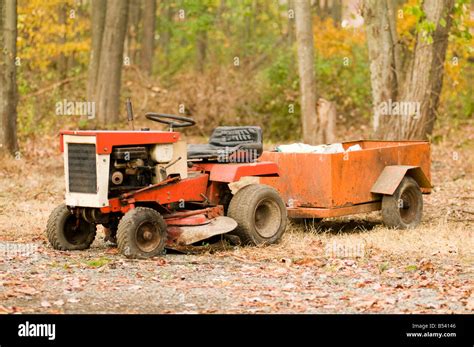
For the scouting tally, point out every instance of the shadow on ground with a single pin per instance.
(336, 226)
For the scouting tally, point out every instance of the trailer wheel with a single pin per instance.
(260, 214)
(141, 233)
(65, 232)
(403, 209)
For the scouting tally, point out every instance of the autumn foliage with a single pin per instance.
(248, 73)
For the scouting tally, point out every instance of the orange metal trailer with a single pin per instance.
(316, 185)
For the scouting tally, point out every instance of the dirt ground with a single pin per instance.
(343, 265)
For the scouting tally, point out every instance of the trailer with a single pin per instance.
(383, 175)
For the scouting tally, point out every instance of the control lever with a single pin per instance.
(164, 168)
(130, 113)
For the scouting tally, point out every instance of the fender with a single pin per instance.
(392, 175)
(228, 173)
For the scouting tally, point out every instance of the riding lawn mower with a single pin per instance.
(149, 190)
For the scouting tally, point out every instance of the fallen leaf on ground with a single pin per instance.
(426, 265)
(112, 251)
(160, 262)
(4, 310)
(27, 290)
(470, 303)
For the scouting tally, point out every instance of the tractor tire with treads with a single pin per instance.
(403, 209)
(260, 214)
(142, 233)
(63, 234)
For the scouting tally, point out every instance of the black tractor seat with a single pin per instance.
(230, 144)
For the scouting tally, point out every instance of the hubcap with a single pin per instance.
(409, 205)
(148, 237)
(267, 218)
(76, 230)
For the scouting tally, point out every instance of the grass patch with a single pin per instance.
(98, 262)
(384, 267)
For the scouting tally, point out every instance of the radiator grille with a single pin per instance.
(82, 168)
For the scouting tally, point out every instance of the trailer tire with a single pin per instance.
(403, 209)
(142, 233)
(260, 214)
(61, 234)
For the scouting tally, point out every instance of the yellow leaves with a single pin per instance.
(331, 41)
(456, 66)
(406, 24)
(455, 79)
(49, 29)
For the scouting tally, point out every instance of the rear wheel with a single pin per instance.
(403, 209)
(65, 231)
(260, 214)
(141, 233)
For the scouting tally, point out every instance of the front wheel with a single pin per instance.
(65, 231)
(403, 209)
(141, 233)
(260, 214)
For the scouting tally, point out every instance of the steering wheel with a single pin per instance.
(163, 118)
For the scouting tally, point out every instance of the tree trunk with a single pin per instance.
(336, 12)
(405, 89)
(291, 22)
(133, 27)
(323, 8)
(381, 45)
(165, 40)
(111, 60)
(98, 11)
(201, 49)
(425, 82)
(304, 38)
(62, 60)
(8, 87)
(148, 39)
(327, 115)
(316, 4)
